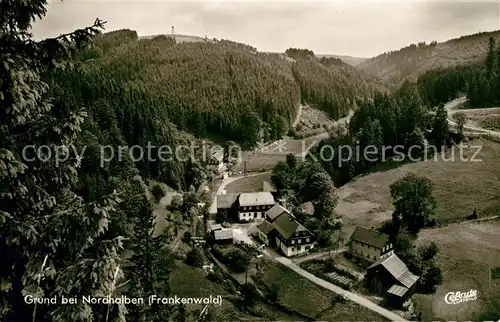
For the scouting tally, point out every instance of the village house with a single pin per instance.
(227, 204)
(292, 238)
(223, 236)
(216, 160)
(276, 211)
(390, 277)
(253, 205)
(282, 231)
(265, 233)
(370, 244)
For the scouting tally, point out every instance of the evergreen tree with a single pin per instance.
(440, 131)
(54, 243)
(151, 268)
(490, 58)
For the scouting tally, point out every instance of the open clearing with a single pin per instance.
(266, 159)
(466, 249)
(477, 117)
(311, 300)
(248, 184)
(460, 186)
(466, 253)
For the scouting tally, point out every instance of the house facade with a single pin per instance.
(216, 160)
(227, 204)
(265, 233)
(390, 277)
(253, 205)
(291, 237)
(370, 244)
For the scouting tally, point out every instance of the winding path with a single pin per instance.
(451, 108)
(334, 288)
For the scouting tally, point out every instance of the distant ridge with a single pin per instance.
(179, 38)
(408, 63)
(353, 61)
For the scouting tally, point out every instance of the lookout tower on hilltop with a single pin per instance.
(173, 30)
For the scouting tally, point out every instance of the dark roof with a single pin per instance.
(268, 186)
(370, 237)
(226, 201)
(266, 227)
(286, 225)
(397, 268)
(276, 211)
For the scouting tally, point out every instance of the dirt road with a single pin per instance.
(451, 108)
(329, 286)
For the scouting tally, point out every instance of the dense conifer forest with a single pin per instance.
(77, 227)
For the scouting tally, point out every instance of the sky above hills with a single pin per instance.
(357, 28)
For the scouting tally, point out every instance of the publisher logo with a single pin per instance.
(460, 297)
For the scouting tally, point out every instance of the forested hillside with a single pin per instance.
(480, 82)
(217, 89)
(330, 84)
(410, 62)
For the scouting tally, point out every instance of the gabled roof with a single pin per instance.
(226, 233)
(397, 290)
(370, 237)
(286, 225)
(218, 154)
(276, 211)
(256, 199)
(268, 186)
(397, 268)
(266, 227)
(214, 226)
(226, 201)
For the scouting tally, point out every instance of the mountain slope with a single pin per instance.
(222, 88)
(410, 62)
(353, 61)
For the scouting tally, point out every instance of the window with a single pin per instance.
(307, 239)
(307, 247)
(293, 241)
(293, 248)
(298, 241)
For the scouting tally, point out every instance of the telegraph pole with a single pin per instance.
(245, 168)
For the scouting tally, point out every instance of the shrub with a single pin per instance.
(216, 276)
(187, 236)
(238, 260)
(329, 264)
(158, 192)
(195, 257)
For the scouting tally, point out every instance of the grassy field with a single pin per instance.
(249, 184)
(186, 281)
(467, 252)
(311, 300)
(259, 160)
(460, 186)
(483, 117)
